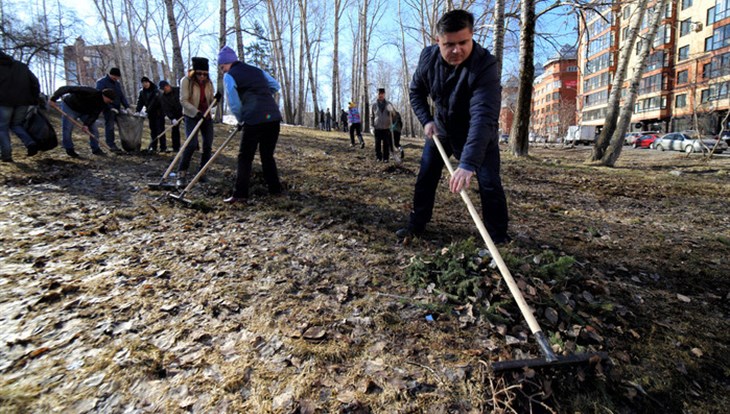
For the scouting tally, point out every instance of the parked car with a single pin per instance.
(645, 141)
(630, 138)
(689, 142)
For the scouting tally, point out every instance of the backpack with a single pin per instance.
(40, 129)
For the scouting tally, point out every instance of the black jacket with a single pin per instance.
(82, 99)
(170, 102)
(150, 99)
(467, 100)
(18, 84)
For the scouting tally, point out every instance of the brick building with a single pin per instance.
(554, 95)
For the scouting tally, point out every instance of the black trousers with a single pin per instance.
(264, 137)
(382, 144)
(157, 125)
(355, 128)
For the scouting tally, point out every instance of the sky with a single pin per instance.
(557, 24)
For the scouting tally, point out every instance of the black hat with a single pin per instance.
(109, 93)
(381, 90)
(163, 83)
(145, 79)
(115, 72)
(200, 63)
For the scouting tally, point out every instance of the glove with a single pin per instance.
(115, 110)
(372, 130)
(198, 117)
(239, 126)
(218, 96)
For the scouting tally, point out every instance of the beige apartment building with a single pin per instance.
(686, 74)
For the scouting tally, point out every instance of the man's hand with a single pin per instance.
(198, 117)
(429, 129)
(460, 180)
(218, 96)
(86, 129)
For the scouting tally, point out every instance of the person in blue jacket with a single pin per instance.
(250, 93)
(461, 78)
(111, 81)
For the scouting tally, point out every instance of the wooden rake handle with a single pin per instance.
(506, 275)
(74, 121)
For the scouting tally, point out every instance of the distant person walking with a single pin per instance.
(328, 120)
(321, 119)
(112, 81)
(353, 117)
(20, 89)
(396, 128)
(343, 120)
(381, 120)
(250, 97)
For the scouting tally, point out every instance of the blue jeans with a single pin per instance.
(206, 130)
(110, 119)
(491, 193)
(11, 119)
(67, 126)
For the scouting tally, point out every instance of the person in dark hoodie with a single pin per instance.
(171, 107)
(85, 104)
(112, 81)
(149, 98)
(250, 96)
(462, 79)
(20, 89)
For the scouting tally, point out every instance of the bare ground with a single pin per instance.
(115, 299)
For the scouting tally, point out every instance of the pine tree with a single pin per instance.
(258, 53)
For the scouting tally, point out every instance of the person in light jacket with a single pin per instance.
(381, 119)
(196, 96)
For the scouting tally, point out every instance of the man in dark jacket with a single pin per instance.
(149, 98)
(20, 89)
(461, 77)
(171, 107)
(111, 81)
(85, 104)
(250, 97)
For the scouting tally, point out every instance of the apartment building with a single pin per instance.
(84, 64)
(687, 72)
(554, 96)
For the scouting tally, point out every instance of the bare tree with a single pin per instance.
(518, 140)
(617, 139)
(619, 76)
(178, 69)
(308, 51)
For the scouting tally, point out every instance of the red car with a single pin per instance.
(645, 141)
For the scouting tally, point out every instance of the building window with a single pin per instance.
(720, 38)
(711, 15)
(627, 12)
(708, 43)
(668, 11)
(682, 77)
(707, 71)
(722, 10)
(683, 53)
(572, 69)
(684, 27)
(705, 96)
(652, 83)
(686, 4)
(680, 101)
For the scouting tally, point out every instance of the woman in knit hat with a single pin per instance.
(250, 96)
(196, 96)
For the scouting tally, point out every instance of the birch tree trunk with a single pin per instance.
(310, 66)
(221, 42)
(498, 46)
(365, 116)
(406, 112)
(239, 34)
(619, 76)
(339, 8)
(518, 141)
(301, 95)
(281, 62)
(178, 68)
(617, 139)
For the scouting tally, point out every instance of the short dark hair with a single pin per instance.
(454, 21)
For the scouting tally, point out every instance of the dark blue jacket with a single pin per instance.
(83, 99)
(467, 100)
(108, 82)
(18, 84)
(257, 105)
